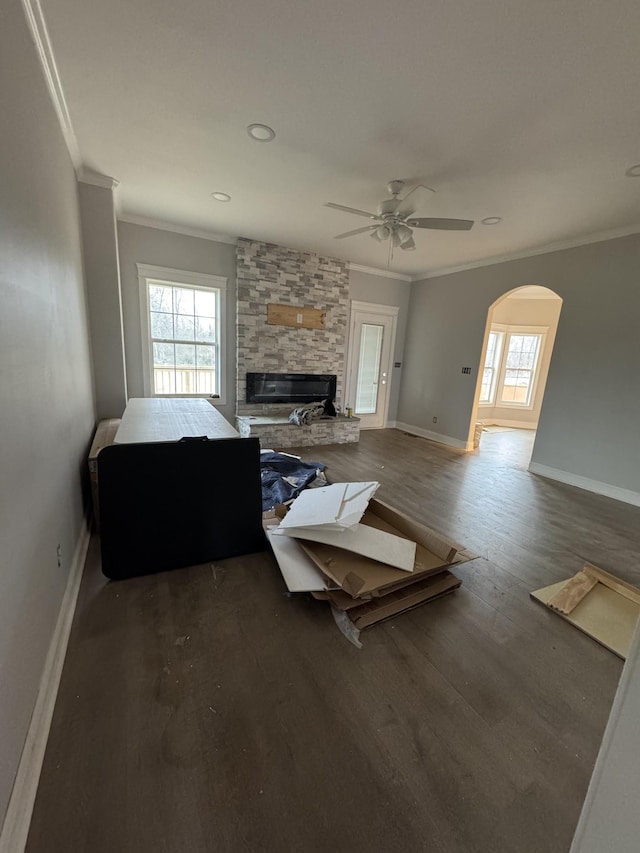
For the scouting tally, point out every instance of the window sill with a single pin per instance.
(215, 401)
(516, 406)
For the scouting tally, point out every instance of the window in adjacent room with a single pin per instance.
(511, 366)
(491, 366)
(182, 326)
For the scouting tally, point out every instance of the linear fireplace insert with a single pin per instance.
(290, 387)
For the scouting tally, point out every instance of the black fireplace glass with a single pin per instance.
(292, 388)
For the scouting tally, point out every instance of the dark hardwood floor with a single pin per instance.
(206, 710)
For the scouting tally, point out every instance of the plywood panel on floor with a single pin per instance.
(603, 614)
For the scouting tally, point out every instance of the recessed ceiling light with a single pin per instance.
(261, 132)
(492, 220)
(633, 171)
(221, 196)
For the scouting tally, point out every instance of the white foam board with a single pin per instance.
(316, 506)
(299, 571)
(355, 502)
(360, 539)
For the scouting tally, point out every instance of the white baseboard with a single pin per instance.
(507, 423)
(18, 817)
(390, 425)
(606, 489)
(432, 436)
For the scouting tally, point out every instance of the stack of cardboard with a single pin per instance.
(367, 559)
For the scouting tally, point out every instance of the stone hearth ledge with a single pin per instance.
(276, 433)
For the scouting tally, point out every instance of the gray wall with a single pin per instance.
(140, 244)
(100, 252)
(526, 312)
(365, 287)
(591, 410)
(46, 399)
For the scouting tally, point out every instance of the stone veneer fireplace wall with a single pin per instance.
(267, 273)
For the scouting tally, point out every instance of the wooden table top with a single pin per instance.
(170, 419)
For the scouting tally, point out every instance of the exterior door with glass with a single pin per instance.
(370, 362)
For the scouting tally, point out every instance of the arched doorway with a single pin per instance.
(514, 364)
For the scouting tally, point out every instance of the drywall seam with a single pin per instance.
(432, 436)
(18, 817)
(609, 491)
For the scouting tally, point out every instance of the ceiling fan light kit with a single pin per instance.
(393, 218)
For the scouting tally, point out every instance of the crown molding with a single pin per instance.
(398, 276)
(40, 36)
(86, 176)
(598, 237)
(202, 233)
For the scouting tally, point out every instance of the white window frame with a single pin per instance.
(499, 330)
(165, 275)
(508, 331)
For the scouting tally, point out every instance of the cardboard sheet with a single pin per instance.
(361, 540)
(364, 578)
(412, 596)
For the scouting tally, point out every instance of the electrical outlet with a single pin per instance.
(59, 555)
(466, 370)
(435, 420)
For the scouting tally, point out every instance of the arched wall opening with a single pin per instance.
(515, 360)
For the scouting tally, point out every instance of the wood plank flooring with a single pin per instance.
(206, 710)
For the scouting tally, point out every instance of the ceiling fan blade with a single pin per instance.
(441, 224)
(356, 231)
(412, 200)
(352, 210)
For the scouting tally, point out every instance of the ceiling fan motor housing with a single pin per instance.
(395, 187)
(387, 206)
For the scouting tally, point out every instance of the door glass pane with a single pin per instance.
(368, 369)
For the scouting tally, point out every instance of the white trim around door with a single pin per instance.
(387, 316)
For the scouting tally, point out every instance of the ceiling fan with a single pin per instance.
(395, 220)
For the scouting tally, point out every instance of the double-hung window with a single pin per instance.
(183, 316)
(511, 366)
(491, 367)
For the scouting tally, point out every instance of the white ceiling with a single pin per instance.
(512, 108)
